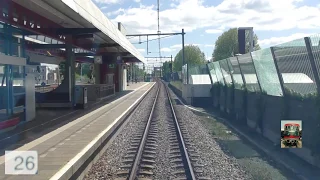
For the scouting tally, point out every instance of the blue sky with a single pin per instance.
(274, 21)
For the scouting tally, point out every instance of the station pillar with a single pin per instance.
(70, 71)
(67, 86)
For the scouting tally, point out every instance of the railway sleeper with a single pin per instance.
(135, 144)
(204, 178)
(127, 161)
(179, 172)
(177, 161)
(133, 148)
(146, 173)
(198, 165)
(153, 139)
(135, 141)
(199, 171)
(194, 155)
(144, 178)
(147, 156)
(149, 152)
(130, 156)
(180, 178)
(175, 142)
(174, 147)
(146, 166)
(147, 161)
(126, 166)
(123, 173)
(175, 156)
(132, 152)
(151, 147)
(174, 151)
(153, 135)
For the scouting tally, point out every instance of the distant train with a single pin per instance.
(291, 135)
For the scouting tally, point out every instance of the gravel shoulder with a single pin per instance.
(109, 163)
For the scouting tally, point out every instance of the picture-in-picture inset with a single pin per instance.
(291, 131)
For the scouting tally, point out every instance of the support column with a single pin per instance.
(134, 72)
(131, 72)
(70, 70)
(97, 73)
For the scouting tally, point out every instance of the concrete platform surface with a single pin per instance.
(62, 151)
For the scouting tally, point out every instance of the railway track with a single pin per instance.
(139, 161)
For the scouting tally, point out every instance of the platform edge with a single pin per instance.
(76, 162)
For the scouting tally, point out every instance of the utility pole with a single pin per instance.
(159, 28)
(183, 60)
(182, 47)
(171, 64)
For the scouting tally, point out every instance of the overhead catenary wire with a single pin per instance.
(153, 39)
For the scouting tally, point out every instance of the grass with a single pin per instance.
(177, 84)
(248, 158)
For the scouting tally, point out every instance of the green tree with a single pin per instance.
(192, 55)
(139, 72)
(166, 67)
(227, 44)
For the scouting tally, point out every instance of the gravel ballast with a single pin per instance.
(217, 164)
(109, 163)
(163, 167)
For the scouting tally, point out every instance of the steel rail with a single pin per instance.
(135, 166)
(189, 169)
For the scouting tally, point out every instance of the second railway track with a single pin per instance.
(140, 161)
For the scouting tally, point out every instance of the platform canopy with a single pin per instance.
(84, 20)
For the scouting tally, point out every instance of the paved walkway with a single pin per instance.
(66, 148)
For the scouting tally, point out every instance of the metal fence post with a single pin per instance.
(313, 63)
(242, 75)
(254, 67)
(209, 73)
(278, 71)
(224, 80)
(229, 67)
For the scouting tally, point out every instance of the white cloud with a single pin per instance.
(141, 50)
(193, 14)
(173, 5)
(167, 49)
(179, 46)
(119, 11)
(137, 1)
(107, 1)
(209, 45)
(278, 40)
(213, 31)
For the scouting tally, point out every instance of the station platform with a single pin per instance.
(62, 150)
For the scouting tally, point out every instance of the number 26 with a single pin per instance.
(29, 163)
